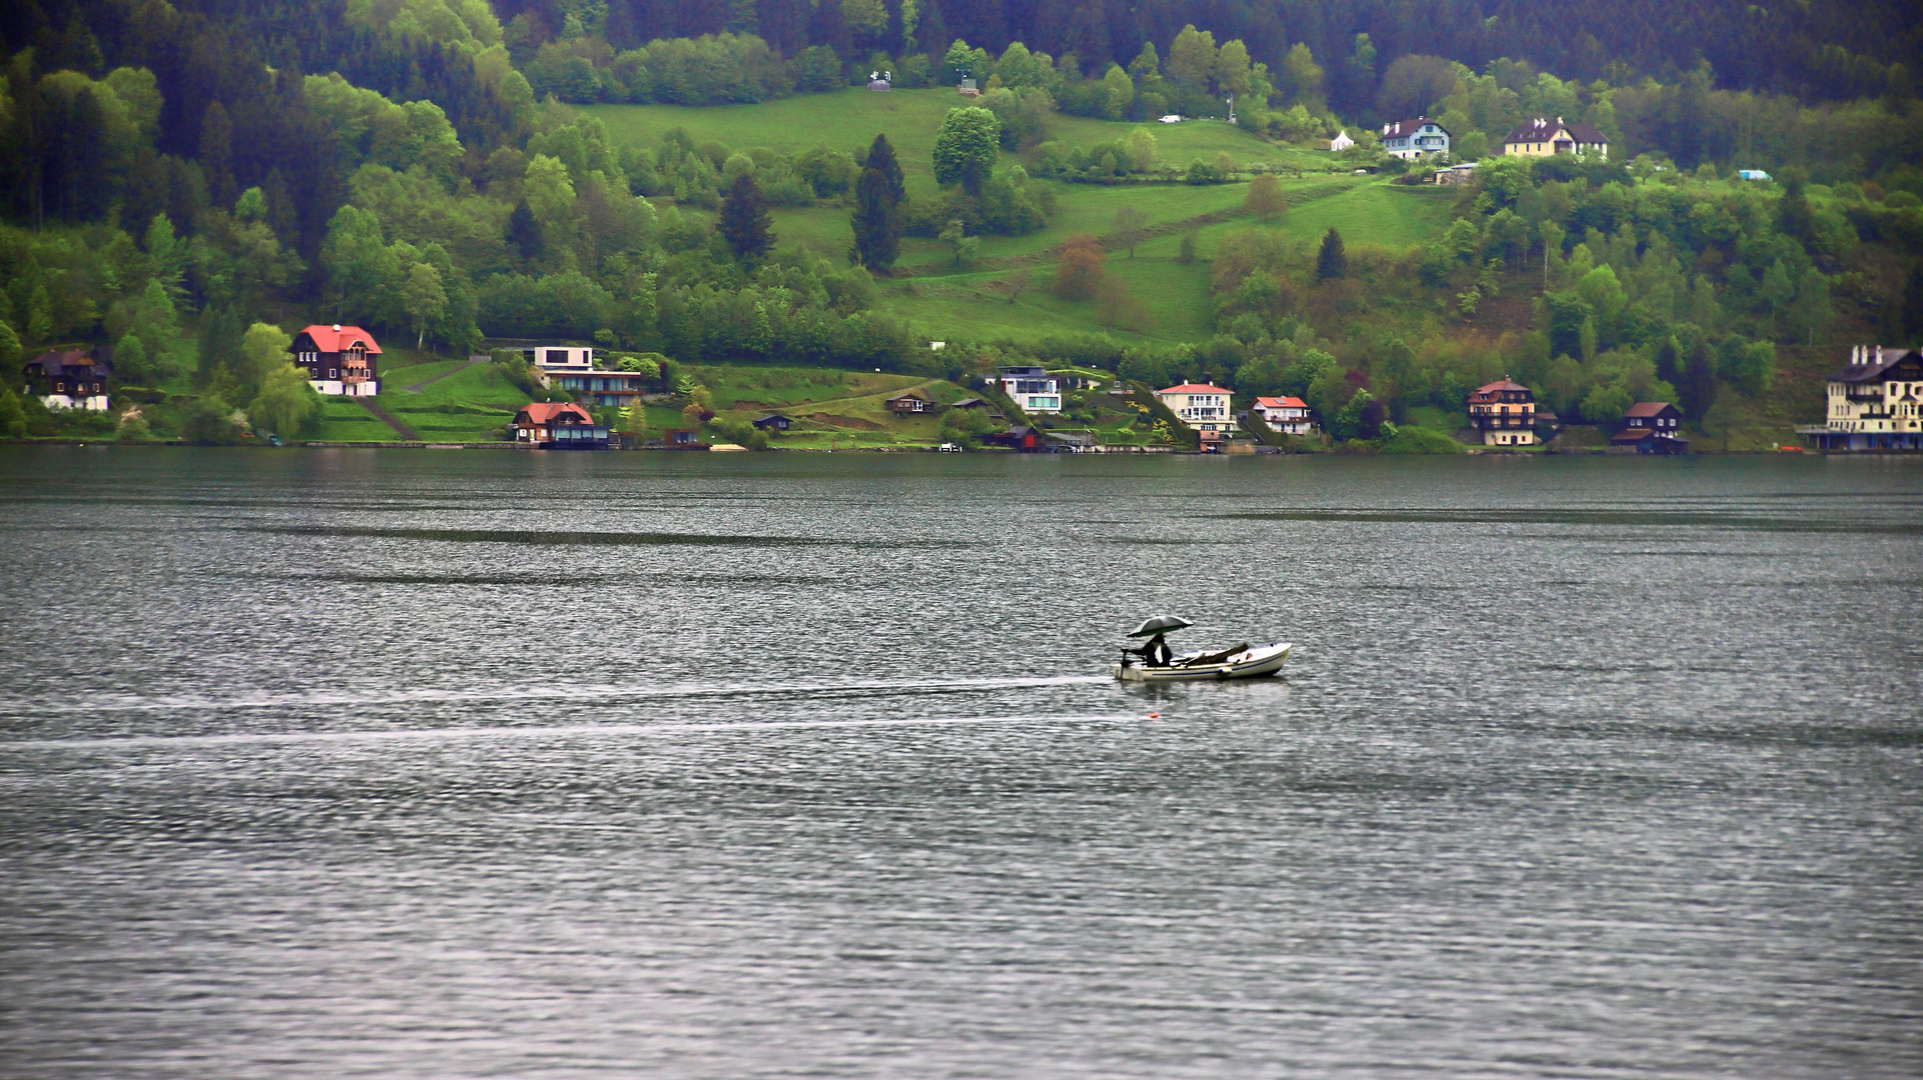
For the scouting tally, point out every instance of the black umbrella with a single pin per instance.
(1160, 624)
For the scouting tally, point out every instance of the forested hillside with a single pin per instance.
(183, 181)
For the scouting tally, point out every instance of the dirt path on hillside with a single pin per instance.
(387, 418)
(425, 383)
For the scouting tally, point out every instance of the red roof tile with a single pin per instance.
(546, 412)
(1193, 388)
(338, 338)
(1281, 403)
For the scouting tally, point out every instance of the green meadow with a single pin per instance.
(1005, 294)
(462, 404)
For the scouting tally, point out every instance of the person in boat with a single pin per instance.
(1157, 653)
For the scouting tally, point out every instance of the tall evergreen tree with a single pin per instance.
(1331, 261)
(876, 220)
(744, 223)
(881, 157)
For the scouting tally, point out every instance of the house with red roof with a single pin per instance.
(558, 425)
(1505, 412)
(1202, 406)
(339, 359)
(1288, 415)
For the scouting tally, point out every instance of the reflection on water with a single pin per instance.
(390, 763)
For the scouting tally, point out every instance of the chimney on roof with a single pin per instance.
(1385, 129)
(1879, 355)
(337, 326)
(1558, 119)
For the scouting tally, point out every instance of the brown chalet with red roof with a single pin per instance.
(339, 359)
(558, 425)
(1505, 413)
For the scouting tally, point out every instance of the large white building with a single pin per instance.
(1202, 406)
(1874, 403)
(1031, 388)
(1408, 139)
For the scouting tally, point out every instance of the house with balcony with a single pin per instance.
(1202, 406)
(1543, 137)
(71, 378)
(1875, 402)
(339, 360)
(1409, 139)
(1031, 388)
(558, 425)
(1504, 412)
(1288, 415)
(1651, 427)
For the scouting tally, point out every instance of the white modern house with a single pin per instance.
(1032, 388)
(1873, 403)
(1202, 406)
(1288, 415)
(1409, 139)
(560, 359)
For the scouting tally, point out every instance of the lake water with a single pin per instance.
(410, 763)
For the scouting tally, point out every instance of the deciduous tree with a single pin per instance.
(1265, 198)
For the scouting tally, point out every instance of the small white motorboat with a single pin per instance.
(1154, 662)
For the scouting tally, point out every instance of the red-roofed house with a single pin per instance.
(1288, 415)
(558, 425)
(339, 359)
(1201, 406)
(1505, 413)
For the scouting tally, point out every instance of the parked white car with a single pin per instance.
(949, 448)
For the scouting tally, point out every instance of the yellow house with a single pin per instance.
(1542, 137)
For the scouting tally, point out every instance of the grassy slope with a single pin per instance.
(467, 407)
(947, 304)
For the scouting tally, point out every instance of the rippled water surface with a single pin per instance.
(408, 763)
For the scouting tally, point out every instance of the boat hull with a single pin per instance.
(1249, 664)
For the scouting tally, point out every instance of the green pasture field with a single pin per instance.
(471, 405)
(943, 302)
(849, 120)
(343, 420)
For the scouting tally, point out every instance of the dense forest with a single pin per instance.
(177, 174)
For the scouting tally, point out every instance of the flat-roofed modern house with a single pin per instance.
(1202, 406)
(71, 378)
(339, 359)
(1288, 415)
(1032, 388)
(558, 425)
(1875, 402)
(559, 359)
(1542, 137)
(1408, 139)
(1505, 412)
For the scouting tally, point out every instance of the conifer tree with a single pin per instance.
(1331, 261)
(881, 157)
(744, 221)
(877, 222)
